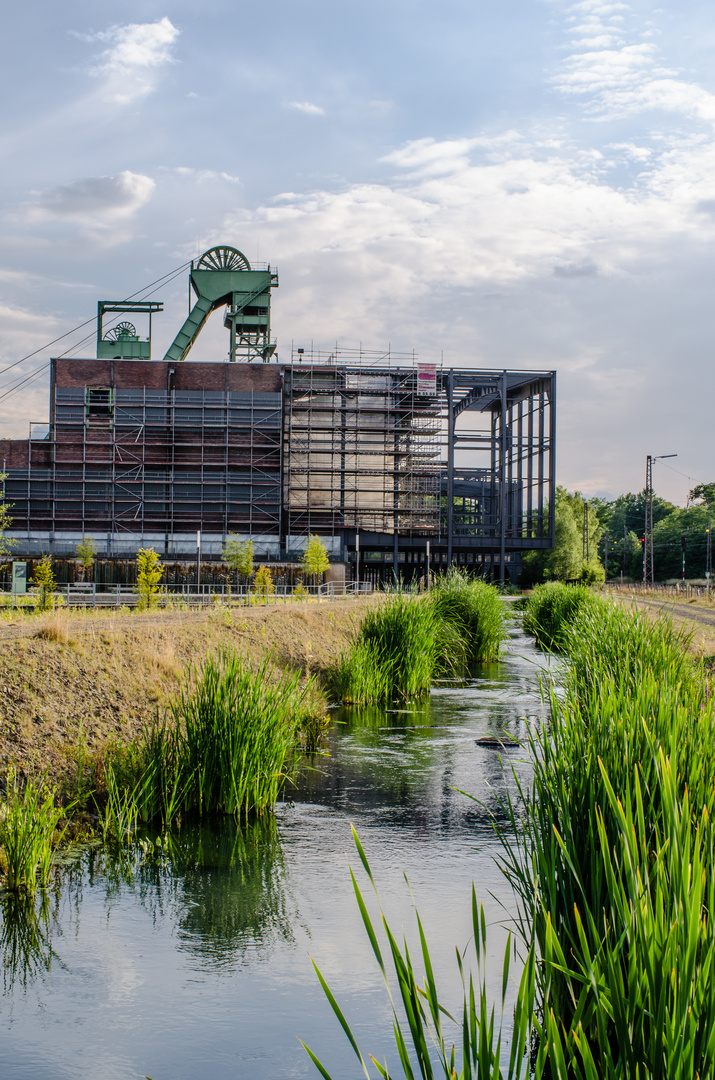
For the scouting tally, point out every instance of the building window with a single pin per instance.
(99, 403)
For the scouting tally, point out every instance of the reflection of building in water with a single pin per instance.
(374, 452)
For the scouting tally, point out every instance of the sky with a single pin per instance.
(529, 185)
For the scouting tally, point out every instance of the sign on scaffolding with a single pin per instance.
(427, 380)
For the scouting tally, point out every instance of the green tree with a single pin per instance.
(566, 559)
(263, 584)
(6, 545)
(44, 582)
(149, 571)
(315, 557)
(238, 555)
(706, 492)
(85, 554)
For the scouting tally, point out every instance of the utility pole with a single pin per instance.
(648, 566)
(605, 552)
(709, 553)
(584, 547)
(684, 546)
(625, 546)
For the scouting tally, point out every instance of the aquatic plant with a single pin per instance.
(419, 1017)
(222, 748)
(400, 648)
(551, 608)
(474, 608)
(29, 821)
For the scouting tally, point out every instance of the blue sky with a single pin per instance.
(528, 184)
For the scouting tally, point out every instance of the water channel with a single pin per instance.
(195, 966)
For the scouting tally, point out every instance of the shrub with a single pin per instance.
(149, 571)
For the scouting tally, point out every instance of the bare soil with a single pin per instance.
(72, 683)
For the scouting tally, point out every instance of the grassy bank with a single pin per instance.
(123, 718)
(612, 856)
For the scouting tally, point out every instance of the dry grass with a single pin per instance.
(120, 668)
(54, 626)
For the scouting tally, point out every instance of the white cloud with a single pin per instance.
(95, 200)
(130, 66)
(307, 107)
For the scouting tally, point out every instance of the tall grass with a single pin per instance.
(401, 647)
(474, 608)
(29, 821)
(223, 747)
(410, 640)
(426, 1034)
(614, 857)
(551, 608)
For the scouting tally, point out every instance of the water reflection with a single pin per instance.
(25, 939)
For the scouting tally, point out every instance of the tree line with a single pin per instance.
(595, 536)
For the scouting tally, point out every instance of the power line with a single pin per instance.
(159, 281)
(154, 286)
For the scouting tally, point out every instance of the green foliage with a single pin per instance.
(86, 552)
(28, 828)
(566, 559)
(6, 545)
(263, 586)
(238, 554)
(401, 647)
(474, 609)
(706, 492)
(149, 572)
(223, 748)
(315, 557)
(44, 581)
(551, 609)
(419, 1026)
(667, 551)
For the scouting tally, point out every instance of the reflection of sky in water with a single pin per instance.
(198, 966)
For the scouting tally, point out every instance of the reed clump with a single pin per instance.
(406, 643)
(614, 853)
(474, 608)
(551, 608)
(400, 648)
(224, 746)
(29, 833)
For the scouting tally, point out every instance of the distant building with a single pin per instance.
(366, 450)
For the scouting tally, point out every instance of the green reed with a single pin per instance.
(222, 748)
(551, 608)
(611, 853)
(427, 1035)
(474, 608)
(29, 832)
(402, 646)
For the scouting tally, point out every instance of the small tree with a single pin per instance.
(44, 582)
(85, 553)
(263, 584)
(238, 554)
(149, 571)
(6, 545)
(315, 557)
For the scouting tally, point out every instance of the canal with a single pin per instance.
(193, 962)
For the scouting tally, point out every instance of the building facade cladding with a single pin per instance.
(148, 453)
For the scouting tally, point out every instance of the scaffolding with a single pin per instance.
(361, 451)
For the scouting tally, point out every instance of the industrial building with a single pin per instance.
(373, 452)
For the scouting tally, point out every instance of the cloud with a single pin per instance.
(94, 200)
(306, 107)
(584, 268)
(129, 66)
(620, 76)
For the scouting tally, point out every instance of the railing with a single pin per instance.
(680, 590)
(87, 594)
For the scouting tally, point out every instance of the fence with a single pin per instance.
(180, 596)
(684, 591)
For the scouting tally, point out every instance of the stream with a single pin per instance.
(195, 965)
